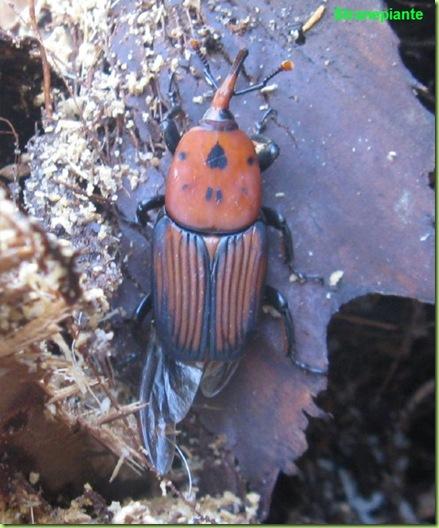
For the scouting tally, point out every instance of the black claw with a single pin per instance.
(308, 368)
(302, 278)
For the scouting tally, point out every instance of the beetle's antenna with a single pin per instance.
(225, 92)
(210, 79)
(286, 65)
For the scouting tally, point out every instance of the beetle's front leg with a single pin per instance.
(148, 205)
(266, 149)
(168, 126)
(276, 300)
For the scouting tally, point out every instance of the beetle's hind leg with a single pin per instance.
(134, 321)
(169, 128)
(143, 309)
(274, 219)
(276, 300)
(266, 149)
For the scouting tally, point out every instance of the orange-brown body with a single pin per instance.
(214, 182)
(209, 244)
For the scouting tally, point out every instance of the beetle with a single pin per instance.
(209, 258)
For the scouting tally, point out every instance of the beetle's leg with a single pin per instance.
(143, 309)
(169, 128)
(274, 219)
(210, 79)
(261, 125)
(266, 149)
(148, 205)
(275, 299)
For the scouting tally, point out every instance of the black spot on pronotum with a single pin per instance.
(219, 195)
(251, 160)
(185, 186)
(244, 190)
(182, 155)
(217, 158)
(209, 193)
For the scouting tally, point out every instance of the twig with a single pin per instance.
(424, 391)
(13, 132)
(314, 18)
(44, 61)
(116, 414)
(67, 392)
(410, 334)
(364, 321)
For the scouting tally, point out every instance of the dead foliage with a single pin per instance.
(351, 181)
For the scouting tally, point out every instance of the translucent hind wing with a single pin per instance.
(169, 387)
(216, 376)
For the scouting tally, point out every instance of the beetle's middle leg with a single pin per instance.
(148, 205)
(276, 300)
(274, 219)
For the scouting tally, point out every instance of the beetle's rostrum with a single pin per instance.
(209, 257)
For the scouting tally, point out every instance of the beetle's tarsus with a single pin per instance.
(275, 299)
(308, 368)
(262, 123)
(144, 207)
(302, 278)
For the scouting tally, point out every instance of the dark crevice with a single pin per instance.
(417, 46)
(20, 87)
(373, 459)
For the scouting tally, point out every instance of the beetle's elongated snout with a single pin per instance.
(224, 93)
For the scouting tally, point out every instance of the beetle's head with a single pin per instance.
(219, 115)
